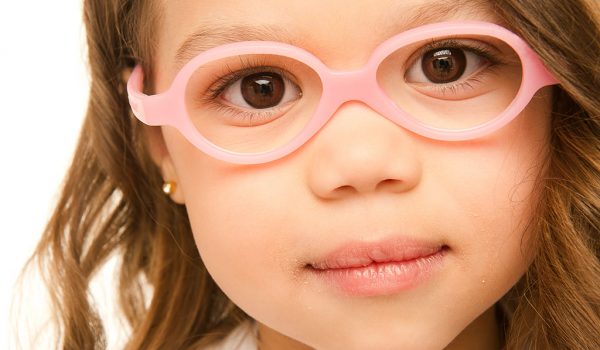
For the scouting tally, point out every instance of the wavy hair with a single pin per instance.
(111, 201)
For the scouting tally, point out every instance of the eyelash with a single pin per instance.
(481, 50)
(229, 76)
(248, 67)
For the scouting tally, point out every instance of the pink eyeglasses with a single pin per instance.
(256, 101)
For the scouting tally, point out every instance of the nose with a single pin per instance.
(360, 151)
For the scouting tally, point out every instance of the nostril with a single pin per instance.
(395, 185)
(345, 188)
(388, 183)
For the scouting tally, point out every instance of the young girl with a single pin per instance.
(341, 175)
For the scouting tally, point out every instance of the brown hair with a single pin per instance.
(112, 203)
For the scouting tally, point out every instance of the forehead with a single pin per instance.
(327, 28)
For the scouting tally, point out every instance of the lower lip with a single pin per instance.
(380, 279)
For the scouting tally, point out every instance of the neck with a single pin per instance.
(482, 333)
(270, 339)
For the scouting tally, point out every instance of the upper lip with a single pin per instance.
(360, 254)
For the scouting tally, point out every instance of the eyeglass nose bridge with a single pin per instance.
(360, 85)
(357, 85)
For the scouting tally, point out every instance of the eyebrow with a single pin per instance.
(210, 35)
(219, 32)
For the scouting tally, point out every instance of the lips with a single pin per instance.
(386, 267)
(361, 254)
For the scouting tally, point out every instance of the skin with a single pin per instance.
(361, 178)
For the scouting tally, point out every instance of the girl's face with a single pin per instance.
(262, 229)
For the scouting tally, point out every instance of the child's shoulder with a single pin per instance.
(243, 337)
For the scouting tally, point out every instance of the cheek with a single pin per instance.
(489, 190)
(238, 217)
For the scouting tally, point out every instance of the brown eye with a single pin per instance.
(444, 65)
(263, 90)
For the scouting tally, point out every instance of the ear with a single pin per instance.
(161, 157)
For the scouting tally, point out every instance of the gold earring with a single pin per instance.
(168, 187)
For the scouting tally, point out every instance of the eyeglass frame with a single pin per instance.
(338, 87)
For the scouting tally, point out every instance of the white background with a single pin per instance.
(43, 96)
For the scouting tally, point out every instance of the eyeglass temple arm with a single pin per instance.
(148, 109)
(540, 76)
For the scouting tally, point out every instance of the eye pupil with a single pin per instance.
(263, 90)
(444, 65)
